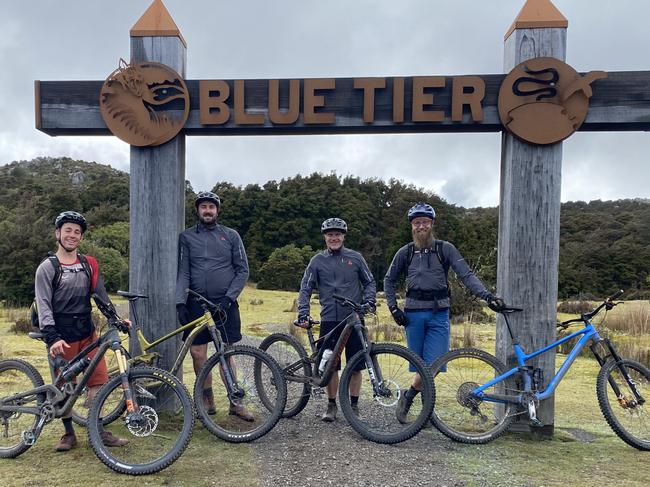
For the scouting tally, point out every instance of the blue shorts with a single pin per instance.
(427, 333)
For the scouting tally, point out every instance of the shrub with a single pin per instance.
(575, 307)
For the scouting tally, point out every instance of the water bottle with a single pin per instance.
(75, 369)
(327, 354)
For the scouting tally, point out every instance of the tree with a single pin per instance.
(284, 268)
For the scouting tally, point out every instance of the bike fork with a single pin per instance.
(235, 393)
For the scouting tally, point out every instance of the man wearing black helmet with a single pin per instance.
(337, 270)
(425, 262)
(63, 287)
(211, 261)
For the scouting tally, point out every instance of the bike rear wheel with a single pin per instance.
(17, 376)
(460, 415)
(287, 350)
(377, 413)
(245, 417)
(627, 416)
(159, 429)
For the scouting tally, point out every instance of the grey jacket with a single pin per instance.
(426, 273)
(344, 272)
(211, 262)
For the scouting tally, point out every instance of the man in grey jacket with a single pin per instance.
(337, 270)
(425, 262)
(212, 262)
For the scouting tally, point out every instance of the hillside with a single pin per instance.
(604, 244)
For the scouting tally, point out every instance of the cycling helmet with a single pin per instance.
(334, 224)
(70, 217)
(207, 196)
(421, 209)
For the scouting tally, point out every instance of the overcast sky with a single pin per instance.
(84, 39)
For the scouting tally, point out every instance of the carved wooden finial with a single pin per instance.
(538, 14)
(156, 21)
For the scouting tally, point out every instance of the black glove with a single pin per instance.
(183, 314)
(303, 321)
(369, 306)
(224, 302)
(399, 316)
(495, 303)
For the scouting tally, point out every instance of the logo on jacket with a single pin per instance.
(544, 100)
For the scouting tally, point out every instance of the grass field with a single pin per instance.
(584, 451)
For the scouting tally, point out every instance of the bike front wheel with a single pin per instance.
(376, 416)
(626, 411)
(240, 415)
(17, 376)
(459, 414)
(158, 429)
(288, 353)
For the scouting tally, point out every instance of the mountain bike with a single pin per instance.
(388, 371)
(156, 413)
(242, 370)
(478, 397)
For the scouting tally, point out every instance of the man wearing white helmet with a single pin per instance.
(337, 270)
(425, 263)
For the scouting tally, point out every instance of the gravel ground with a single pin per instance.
(305, 451)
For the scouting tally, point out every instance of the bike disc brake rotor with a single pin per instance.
(390, 393)
(142, 422)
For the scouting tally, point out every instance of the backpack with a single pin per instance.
(56, 281)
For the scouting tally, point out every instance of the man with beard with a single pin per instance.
(337, 270)
(425, 262)
(64, 284)
(212, 262)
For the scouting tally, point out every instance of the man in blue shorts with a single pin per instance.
(425, 262)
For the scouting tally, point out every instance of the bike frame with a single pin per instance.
(64, 399)
(353, 323)
(588, 333)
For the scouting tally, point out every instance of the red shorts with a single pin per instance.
(100, 374)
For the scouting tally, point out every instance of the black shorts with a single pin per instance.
(230, 329)
(351, 348)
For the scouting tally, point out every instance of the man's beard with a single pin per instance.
(423, 240)
(211, 223)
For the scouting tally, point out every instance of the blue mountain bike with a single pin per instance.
(477, 397)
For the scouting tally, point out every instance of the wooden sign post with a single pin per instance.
(529, 211)
(537, 104)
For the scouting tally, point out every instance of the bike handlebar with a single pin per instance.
(362, 309)
(608, 303)
(202, 299)
(109, 311)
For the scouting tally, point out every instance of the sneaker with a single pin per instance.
(330, 414)
(108, 439)
(355, 409)
(241, 412)
(403, 406)
(67, 442)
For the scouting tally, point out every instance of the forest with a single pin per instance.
(603, 244)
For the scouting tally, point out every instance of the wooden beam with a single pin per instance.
(621, 102)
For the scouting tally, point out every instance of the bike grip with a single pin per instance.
(616, 295)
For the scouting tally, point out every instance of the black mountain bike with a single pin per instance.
(237, 372)
(388, 371)
(156, 414)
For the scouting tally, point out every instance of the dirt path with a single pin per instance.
(305, 451)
